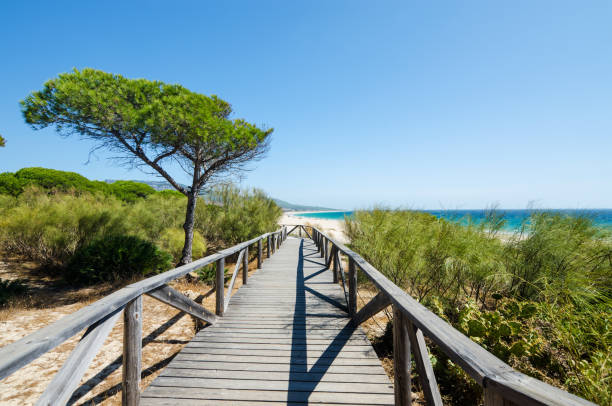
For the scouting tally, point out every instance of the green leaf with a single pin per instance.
(518, 348)
(504, 330)
(476, 329)
(528, 310)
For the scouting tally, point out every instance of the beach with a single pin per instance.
(334, 228)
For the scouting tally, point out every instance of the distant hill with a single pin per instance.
(298, 207)
(163, 185)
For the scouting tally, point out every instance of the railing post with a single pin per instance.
(401, 359)
(336, 258)
(259, 253)
(268, 246)
(220, 289)
(132, 352)
(245, 266)
(323, 245)
(300, 231)
(352, 281)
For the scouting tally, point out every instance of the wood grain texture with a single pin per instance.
(220, 287)
(425, 372)
(401, 359)
(132, 352)
(375, 305)
(286, 337)
(67, 379)
(171, 297)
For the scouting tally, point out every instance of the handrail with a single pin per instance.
(20, 353)
(502, 384)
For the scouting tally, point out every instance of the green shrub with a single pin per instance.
(129, 191)
(10, 184)
(50, 228)
(172, 240)
(114, 258)
(236, 215)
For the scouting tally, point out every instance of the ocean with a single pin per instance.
(514, 218)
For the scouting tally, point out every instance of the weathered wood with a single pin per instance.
(268, 244)
(23, 351)
(278, 343)
(493, 398)
(68, 377)
(220, 287)
(337, 265)
(375, 305)
(293, 229)
(471, 357)
(230, 287)
(401, 360)
(176, 299)
(352, 282)
(132, 352)
(307, 233)
(425, 371)
(259, 254)
(245, 266)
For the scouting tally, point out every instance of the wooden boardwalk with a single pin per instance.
(285, 339)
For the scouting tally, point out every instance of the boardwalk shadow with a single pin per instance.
(302, 380)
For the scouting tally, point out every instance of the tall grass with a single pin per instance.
(558, 267)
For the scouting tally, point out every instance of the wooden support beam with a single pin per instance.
(69, 376)
(220, 287)
(401, 359)
(352, 282)
(245, 266)
(307, 233)
(294, 227)
(494, 398)
(424, 368)
(132, 352)
(337, 266)
(176, 299)
(230, 287)
(376, 304)
(268, 243)
(259, 254)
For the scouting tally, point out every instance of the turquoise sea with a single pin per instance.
(514, 218)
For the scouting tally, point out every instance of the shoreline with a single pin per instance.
(335, 228)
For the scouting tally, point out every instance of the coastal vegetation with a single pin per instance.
(151, 124)
(539, 298)
(87, 232)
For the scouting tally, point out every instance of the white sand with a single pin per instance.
(333, 228)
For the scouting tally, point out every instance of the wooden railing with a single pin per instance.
(100, 317)
(502, 385)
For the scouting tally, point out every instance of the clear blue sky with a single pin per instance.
(454, 104)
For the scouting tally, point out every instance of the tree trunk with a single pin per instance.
(192, 199)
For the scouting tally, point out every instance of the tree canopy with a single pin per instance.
(150, 123)
(2, 142)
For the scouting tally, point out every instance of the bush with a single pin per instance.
(114, 258)
(129, 191)
(236, 215)
(172, 240)
(10, 184)
(50, 228)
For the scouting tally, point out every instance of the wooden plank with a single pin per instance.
(180, 392)
(427, 378)
(375, 305)
(401, 360)
(69, 376)
(184, 368)
(171, 297)
(132, 352)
